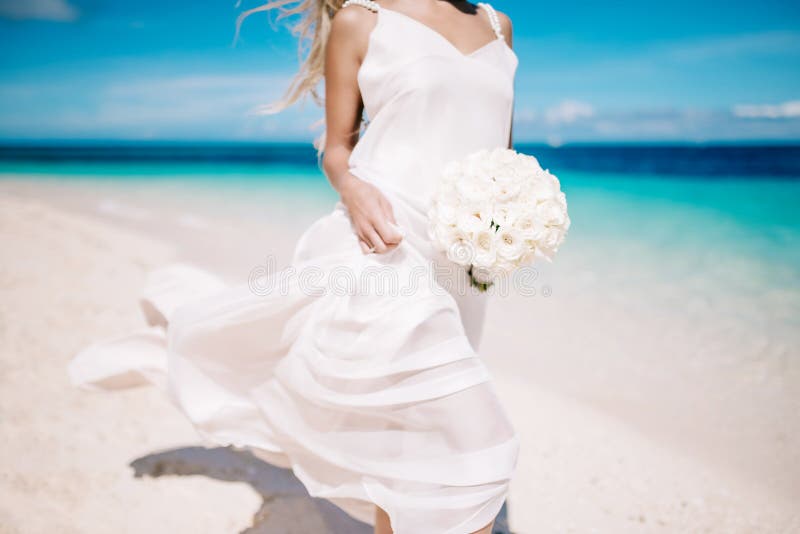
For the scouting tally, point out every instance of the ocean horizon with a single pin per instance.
(703, 160)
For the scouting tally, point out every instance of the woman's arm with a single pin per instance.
(370, 212)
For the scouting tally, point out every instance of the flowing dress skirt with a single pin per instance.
(358, 372)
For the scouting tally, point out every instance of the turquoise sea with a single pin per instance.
(691, 206)
(725, 215)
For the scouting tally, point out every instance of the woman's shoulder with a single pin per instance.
(354, 15)
(505, 24)
(352, 24)
(505, 20)
(502, 19)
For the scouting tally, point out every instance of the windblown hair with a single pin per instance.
(312, 32)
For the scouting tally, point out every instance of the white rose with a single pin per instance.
(445, 213)
(461, 252)
(477, 168)
(485, 248)
(527, 223)
(471, 223)
(472, 191)
(501, 157)
(551, 213)
(506, 215)
(531, 162)
(522, 172)
(510, 244)
(549, 241)
(507, 188)
(543, 186)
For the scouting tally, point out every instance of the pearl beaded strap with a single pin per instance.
(493, 19)
(369, 4)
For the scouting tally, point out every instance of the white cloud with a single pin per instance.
(56, 10)
(554, 141)
(658, 124)
(786, 110)
(568, 111)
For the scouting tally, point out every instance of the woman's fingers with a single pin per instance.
(377, 229)
(388, 210)
(397, 232)
(373, 239)
(388, 232)
(372, 217)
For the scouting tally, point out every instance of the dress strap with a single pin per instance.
(492, 14)
(369, 4)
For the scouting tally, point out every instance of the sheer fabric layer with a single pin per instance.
(368, 397)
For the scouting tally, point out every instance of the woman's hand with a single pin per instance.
(371, 214)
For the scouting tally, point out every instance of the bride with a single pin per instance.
(371, 392)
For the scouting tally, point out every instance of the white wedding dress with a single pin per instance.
(359, 372)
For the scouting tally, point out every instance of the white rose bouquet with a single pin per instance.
(495, 211)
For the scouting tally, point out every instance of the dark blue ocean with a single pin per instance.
(707, 161)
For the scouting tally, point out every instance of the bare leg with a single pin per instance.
(382, 525)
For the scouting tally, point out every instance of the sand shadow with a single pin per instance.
(286, 507)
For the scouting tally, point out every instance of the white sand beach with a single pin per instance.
(645, 401)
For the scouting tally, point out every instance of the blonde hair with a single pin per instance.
(312, 32)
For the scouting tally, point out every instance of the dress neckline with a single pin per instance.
(440, 35)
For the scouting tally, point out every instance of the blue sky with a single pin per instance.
(589, 71)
